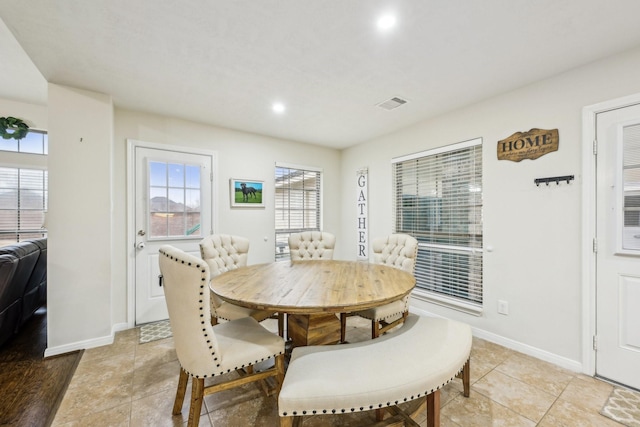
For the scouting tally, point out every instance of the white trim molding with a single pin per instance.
(86, 344)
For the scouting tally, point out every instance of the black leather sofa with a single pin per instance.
(23, 284)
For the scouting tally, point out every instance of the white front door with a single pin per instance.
(618, 245)
(173, 205)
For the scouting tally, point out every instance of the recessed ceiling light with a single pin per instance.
(386, 22)
(278, 107)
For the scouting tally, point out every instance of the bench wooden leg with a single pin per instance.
(379, 414)
(290, 421)
(433, 409)
(465, 375)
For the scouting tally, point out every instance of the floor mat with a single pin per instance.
(155, 331)
(623, 406)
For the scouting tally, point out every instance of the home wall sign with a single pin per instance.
(363, 212)
(528, 145)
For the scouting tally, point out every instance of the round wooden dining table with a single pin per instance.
(312, 292)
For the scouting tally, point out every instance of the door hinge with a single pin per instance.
(595, 342)
(595, 147)
(595, 245)
(211, 176)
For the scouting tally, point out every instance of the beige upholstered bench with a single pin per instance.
(414, 362)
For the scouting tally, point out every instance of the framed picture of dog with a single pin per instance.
(246, 193)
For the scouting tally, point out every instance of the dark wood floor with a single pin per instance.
(32, 387)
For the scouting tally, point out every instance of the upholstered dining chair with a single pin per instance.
(205, 350)
(224, 252)
(399, 251)
(309, 245)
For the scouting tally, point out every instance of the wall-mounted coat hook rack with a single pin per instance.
(555, 179)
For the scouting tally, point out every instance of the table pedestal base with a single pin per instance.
(313, 329)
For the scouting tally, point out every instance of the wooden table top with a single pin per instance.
(307, 287)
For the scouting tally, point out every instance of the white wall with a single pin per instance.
(79, 219)
(535, 232)
(239, 155)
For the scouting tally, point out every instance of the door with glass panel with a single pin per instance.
(618, 245)
(173, 205)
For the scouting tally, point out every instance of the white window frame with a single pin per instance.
(30, 233)
(468, 305)
(44, 147)
(281, 247)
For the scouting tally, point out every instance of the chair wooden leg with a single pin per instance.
(383, 326)
(279, 372)
(343, 327)
(433, 409)
(197, 394)
(281, 324)
(214, 320)
(182, 390)
(375, 329)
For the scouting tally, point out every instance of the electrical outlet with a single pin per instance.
(503, 307)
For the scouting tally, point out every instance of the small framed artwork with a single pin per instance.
(246, 193)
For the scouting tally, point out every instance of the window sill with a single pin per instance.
(452, 303)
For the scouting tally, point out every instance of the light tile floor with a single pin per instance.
(131, 384)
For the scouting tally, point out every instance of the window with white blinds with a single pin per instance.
(23, 203)
(297, 204)
(438, 200)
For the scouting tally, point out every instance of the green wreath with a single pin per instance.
(10, 127)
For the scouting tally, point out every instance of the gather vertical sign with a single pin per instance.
(363, 220)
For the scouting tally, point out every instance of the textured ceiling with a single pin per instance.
(226, 62)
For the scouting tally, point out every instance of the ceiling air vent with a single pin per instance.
(392, 104)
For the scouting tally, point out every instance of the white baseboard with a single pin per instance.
(83, 345)
(563, 362)
(120, 327)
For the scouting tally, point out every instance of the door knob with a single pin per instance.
(140, 245)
